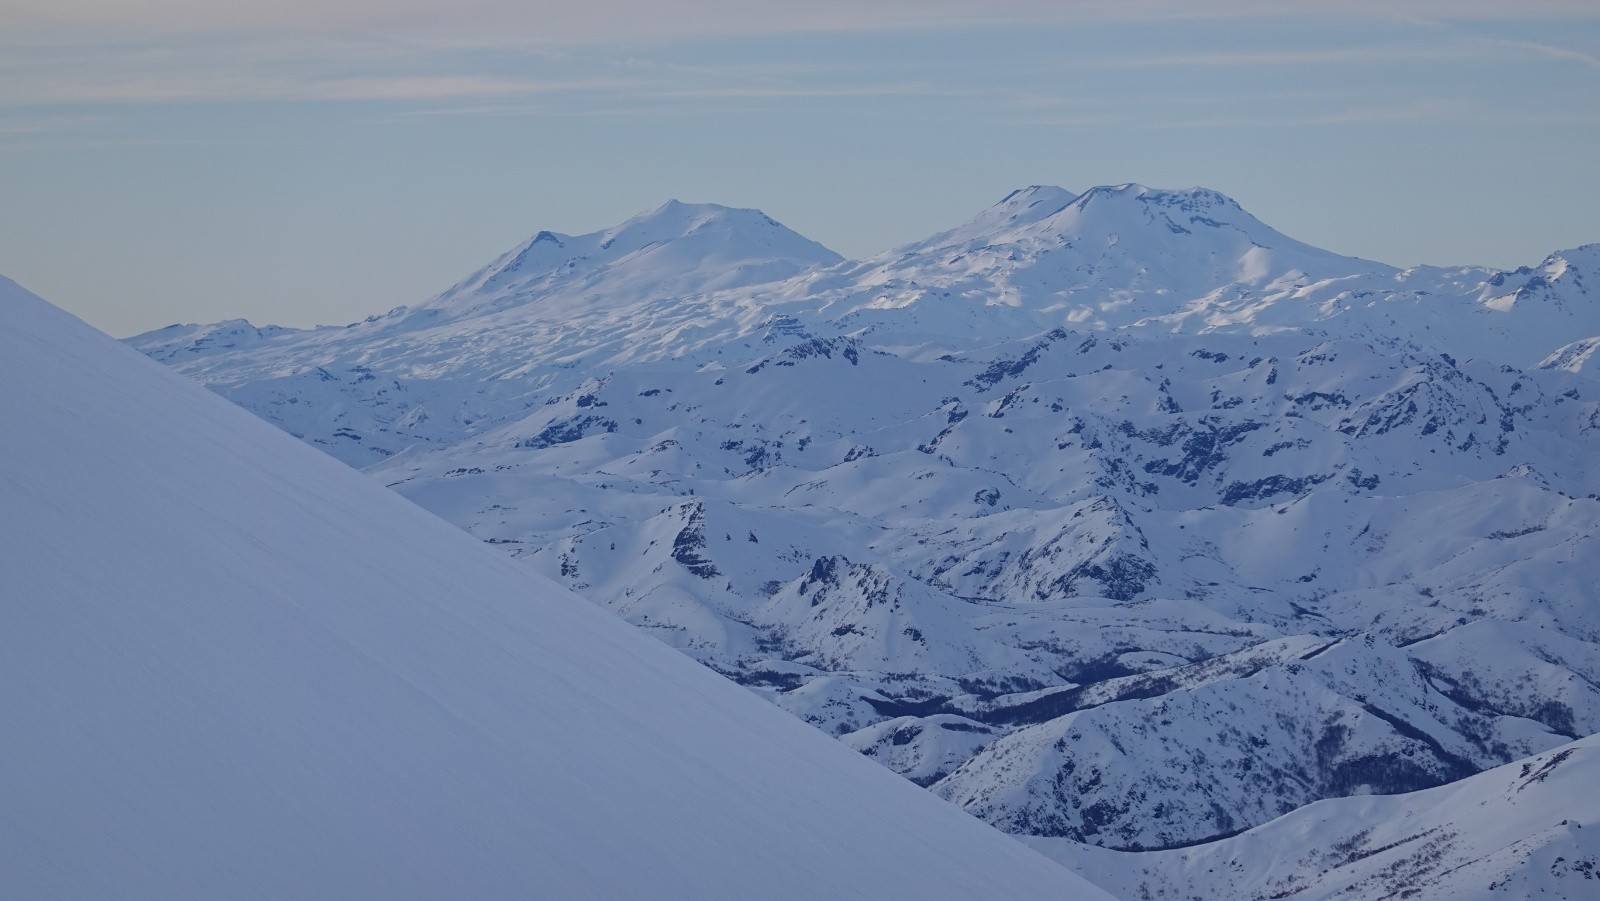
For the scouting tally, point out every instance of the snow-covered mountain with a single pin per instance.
(232, 667)
(676, 249)
(181, 343)
(1114, 516)
(1112, 256)
(1524, 830)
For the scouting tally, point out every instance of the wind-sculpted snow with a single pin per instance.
(1115, 516)
(231, 667)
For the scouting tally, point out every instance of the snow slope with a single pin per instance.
(1529, 829)
(232, 667)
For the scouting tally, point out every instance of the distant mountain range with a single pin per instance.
(1116, 517)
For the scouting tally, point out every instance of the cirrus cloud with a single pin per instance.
(575, 21)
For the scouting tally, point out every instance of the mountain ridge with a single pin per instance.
(1023, 261)
(1523, 829)
(1066, 571)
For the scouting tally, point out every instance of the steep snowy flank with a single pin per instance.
(232, 667)
(1524, 830)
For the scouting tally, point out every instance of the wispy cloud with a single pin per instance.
(41, 126)
(197, 87)
(1287, 57)
(230, 68)
(1458, 48)
(22, 130)
(436, 87)
(1562, 53)
(233, 70)
(779, 93)
(452, 71)
(598, 21)
(240, 87)
(1418, 111)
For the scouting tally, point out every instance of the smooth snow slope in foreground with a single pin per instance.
(231, 666)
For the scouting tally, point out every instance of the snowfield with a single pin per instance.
(232, 667)
(1115, 517)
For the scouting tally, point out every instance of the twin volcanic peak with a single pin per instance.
(1124, 256)
(683, 281)
(1116, 518)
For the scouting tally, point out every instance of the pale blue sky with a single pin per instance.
(204, 160)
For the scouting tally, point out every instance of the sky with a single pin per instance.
(300, 162)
